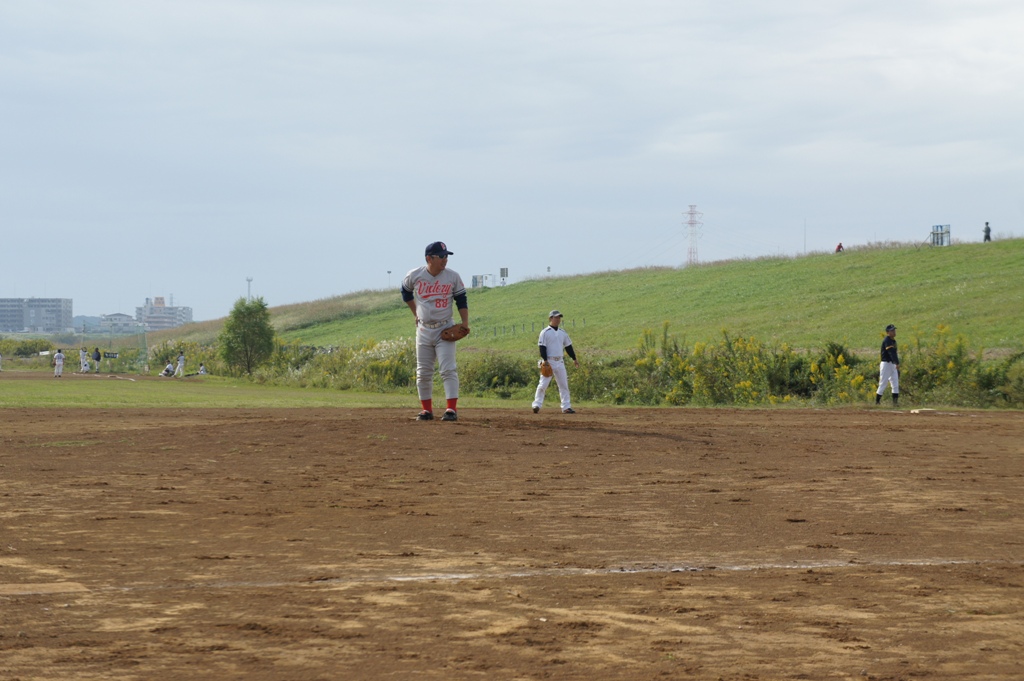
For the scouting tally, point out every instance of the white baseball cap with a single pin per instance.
(554, 313)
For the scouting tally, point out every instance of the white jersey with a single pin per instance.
(555, 340)
(434, 296)
(58, 358)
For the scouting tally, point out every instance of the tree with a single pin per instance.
(248, 337)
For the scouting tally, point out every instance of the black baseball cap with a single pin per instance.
(438, 248)
(554, 313)
(891, 327)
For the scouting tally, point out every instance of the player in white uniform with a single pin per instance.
(83, 359)
(58, 364)
(554, 343)
(431, 292)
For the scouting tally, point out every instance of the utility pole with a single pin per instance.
(248, 291)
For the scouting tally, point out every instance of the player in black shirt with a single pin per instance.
(889, 369)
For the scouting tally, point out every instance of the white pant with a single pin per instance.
(561, 380)
(430, 348)
(888, 372)
(58, 368)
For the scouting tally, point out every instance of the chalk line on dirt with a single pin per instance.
(26, 589)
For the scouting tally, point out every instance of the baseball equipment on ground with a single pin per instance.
(455, 333)
(545, 368)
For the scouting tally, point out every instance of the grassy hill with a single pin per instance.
(975, 289)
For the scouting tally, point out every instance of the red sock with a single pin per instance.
(452, 402)
(428, 405)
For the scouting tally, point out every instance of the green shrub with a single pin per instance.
(25, 348)
(1010, 382)
(661, 370)
(492, 372)
(836, 379)
(195, 354)
(385, 365)
(328, 368)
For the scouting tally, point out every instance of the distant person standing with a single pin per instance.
(1, 361)
(58, 364)
(988, 232)
(83, 361)
(889, 369)
(554, 342)
(96, 357)
(180, 371)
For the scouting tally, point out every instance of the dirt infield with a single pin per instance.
(613, 544)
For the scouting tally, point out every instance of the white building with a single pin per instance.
(119, 324)
(156, 316)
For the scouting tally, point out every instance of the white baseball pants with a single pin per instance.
(561, 380)
(429, 349)
(888, 373)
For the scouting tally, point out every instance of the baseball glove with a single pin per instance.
(545, 368)
(454, 333)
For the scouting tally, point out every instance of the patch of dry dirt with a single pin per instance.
(613, 544)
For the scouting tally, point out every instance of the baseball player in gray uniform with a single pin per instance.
(431, 292)
(554, 342)
(58, 364)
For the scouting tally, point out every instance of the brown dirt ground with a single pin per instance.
(613, 544)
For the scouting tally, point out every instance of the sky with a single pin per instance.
(179, 148)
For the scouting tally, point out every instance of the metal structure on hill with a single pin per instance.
(694, 224)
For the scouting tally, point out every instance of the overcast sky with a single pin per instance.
(177, 148)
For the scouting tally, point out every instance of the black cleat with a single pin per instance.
(570, 410)
(425, 416)
(536, 410)
(450, 415)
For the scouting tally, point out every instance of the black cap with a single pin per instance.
(554, 313)
(438, 248)
(891, 327)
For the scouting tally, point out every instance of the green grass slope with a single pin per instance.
(975, 289)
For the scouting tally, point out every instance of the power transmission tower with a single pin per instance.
(693, 222)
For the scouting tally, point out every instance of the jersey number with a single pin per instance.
(441, 303)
